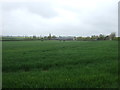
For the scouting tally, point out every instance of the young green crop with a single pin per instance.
(56, 64)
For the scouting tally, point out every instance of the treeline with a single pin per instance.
(19, 38)
(112, 36)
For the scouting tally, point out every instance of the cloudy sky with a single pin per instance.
(59, 17)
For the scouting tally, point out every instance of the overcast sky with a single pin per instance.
(60, 17)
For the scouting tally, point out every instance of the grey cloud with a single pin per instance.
(86, 22)
(43, 9)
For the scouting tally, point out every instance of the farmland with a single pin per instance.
(60, 64)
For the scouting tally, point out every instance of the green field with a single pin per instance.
(57, 64)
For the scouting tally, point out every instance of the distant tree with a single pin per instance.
(49, 37)
(42, 39)
(107, 38)
(79, 38)
(87, 39)
(53, 37)
(34, 37)
(94, 37)
(112, 35)
(45, 37)
(74, 38)
(101, 37)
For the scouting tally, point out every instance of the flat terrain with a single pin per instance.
(60, 64)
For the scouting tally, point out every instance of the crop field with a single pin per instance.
(60, 64)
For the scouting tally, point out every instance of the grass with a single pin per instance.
(55, 64)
